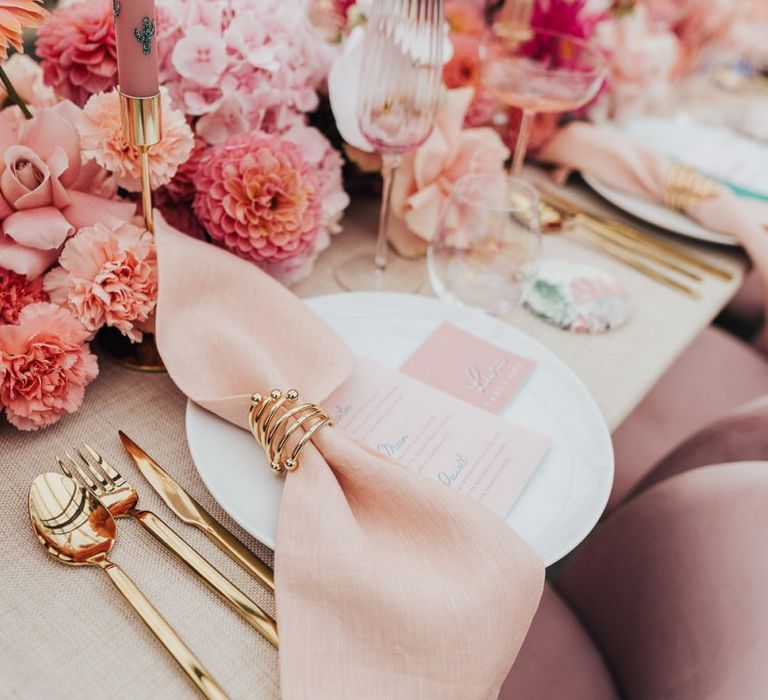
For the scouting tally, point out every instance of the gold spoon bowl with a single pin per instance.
(77, 529)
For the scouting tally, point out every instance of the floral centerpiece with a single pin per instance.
(239, 165)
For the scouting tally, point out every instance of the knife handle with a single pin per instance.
(234, 548)
(239, 601)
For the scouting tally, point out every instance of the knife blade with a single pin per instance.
(192, 513)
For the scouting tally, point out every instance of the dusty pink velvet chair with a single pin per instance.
(716, 374)
(666, 600)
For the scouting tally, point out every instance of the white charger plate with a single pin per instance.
(564, 497)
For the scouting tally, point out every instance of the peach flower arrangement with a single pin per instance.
(238, 165)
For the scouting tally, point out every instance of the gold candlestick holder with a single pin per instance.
(143, 128)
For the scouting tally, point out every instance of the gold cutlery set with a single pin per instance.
(669, 264)
(73, 514)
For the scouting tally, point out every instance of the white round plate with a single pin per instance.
(657, 214)
(561, 502)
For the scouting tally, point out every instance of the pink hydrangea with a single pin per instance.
(16, 292)
(240, 65)
(45, 365)
(107, 277)
(259, 198)
(78, 50)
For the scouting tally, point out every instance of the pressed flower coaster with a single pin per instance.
(578, 298)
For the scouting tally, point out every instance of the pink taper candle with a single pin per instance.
(135, 29)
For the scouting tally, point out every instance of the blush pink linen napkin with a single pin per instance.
(387, 585)
(635, 168)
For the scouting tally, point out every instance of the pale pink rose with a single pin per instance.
(26, 74)
(103, 140)
(643, 59)
(16, 292)
(45, 365)
(107, 278)
(46, 190)
(425, 179)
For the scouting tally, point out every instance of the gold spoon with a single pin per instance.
(75, 528)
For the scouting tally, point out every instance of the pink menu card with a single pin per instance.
(469, 368)
(463, 447)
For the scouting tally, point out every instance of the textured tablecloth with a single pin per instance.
(57, 622)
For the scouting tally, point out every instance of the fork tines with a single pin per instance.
(96, 474)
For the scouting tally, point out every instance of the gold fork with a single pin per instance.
(121, 499)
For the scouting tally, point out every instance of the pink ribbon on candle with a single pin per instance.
(135, 30)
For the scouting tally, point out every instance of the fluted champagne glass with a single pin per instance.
(398, 98)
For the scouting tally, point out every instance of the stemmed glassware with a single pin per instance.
(538, 71)
(397, 104)
(486, 250)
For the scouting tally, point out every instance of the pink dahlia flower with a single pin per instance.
(16, 292)
(103, 140)
(77, 48)
(47, 191)
(107, 277)
(258, 197)
(327, 164)
(45, 365)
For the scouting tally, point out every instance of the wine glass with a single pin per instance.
(486, 251)
(397, 104)
(538, 70)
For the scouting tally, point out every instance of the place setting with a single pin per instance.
(348, 317)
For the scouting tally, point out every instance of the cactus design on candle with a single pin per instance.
(116, 8)
(144, 36)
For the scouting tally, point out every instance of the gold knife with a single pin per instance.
(191, 512)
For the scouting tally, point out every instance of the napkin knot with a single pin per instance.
(279, 423)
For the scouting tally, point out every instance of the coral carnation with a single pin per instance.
(103, 140)
(77, 48)
(16, 292)
(258, 197)
(45, 366)
(15, 17)
(107, 277)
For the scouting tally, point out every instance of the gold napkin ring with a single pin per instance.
(276, 418)
(685, 187)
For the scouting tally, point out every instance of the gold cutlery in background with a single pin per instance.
(191, 512)
(638, 240)
(119, 496)
(553, 221)
(621, 253)
(77, 529)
